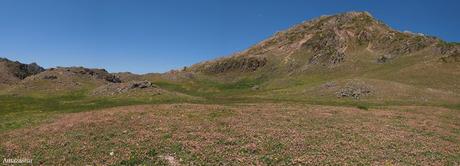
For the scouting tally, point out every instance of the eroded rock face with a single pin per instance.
(451, 58)
(450, 52)
(400, 43)
(327, 48)
(242, 64)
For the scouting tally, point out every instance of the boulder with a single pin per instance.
(355, 90)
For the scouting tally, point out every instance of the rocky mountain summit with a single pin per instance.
(330, 41)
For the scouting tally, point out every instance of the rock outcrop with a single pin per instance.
(241, 64)
(12, 72)
(450, 52)
(126, 88)
(65, 79)
(95, 73)
(355, 89)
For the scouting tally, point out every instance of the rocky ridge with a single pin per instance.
(70, 72)
(13, 71)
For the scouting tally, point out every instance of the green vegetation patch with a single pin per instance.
(21, 111)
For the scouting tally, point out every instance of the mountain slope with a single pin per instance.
(337, 48)
(331, 41)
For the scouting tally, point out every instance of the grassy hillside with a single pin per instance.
(342, 89)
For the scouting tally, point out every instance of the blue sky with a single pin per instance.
(156, 36)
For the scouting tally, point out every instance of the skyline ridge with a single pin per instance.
(245, 49)
(158, 37)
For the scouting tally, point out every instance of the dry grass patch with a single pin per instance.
(260, 134)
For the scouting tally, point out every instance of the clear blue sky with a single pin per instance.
(156, 36)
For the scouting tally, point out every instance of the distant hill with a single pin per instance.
(63, 79)
(12, 72)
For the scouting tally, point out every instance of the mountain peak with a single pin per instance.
(325, 30)
(356, 14)
(341, 19)
(343, 16)
(330, 41)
